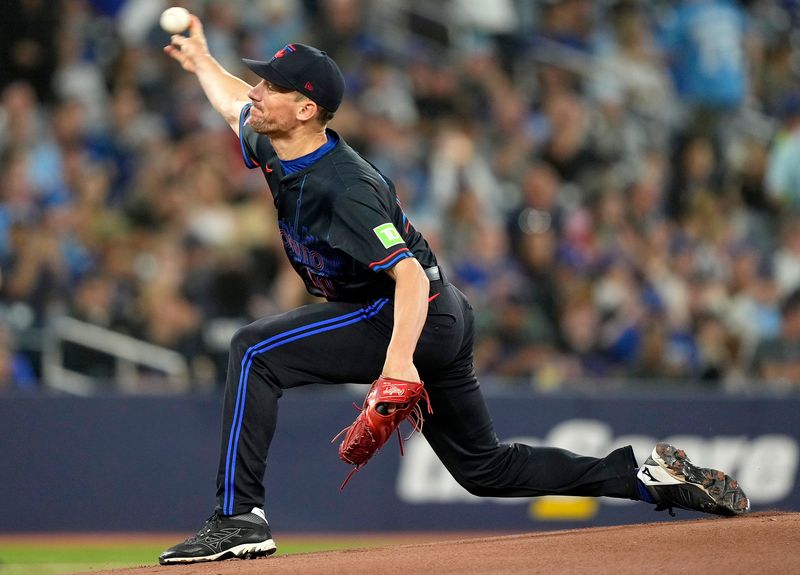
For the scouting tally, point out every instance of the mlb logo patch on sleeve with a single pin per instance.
(388, 235)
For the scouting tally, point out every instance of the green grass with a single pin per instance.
(60, 558)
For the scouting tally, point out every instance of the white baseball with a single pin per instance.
(175, 20)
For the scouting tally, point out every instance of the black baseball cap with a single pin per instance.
(305, 69)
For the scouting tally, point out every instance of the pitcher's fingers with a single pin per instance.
(196, 27)
(171, 51)
(176, 55)
(178, 41)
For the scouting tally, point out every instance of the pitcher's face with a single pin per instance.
(275, 109)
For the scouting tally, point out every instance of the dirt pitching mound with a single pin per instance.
(756, 543)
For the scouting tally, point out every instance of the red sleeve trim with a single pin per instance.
(387, 258)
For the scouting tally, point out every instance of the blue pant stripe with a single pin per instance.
(240, 396)
(242, 387)
(261, 347)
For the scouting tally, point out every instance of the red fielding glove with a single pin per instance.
(388, 403)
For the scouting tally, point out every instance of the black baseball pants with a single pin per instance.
(312, 344)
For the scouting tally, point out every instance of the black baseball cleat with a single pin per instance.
(246, 536)
(674, 481)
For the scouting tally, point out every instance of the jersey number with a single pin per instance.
(323, 284)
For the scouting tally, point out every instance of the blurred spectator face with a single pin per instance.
(744, 269)
(792, 239)
(510, 113)
(207, 184)
(169, 317)
(443, 83)
(568, 118)
(755, 165)
(455, 146)
(630, 29)
(343, 16)
(6, 359)
(579, 230)
(652, 353)
(119, 257)
(699, 159)
(765, 291)
(69, 48)
(6, 371)
(93, 299)
(513, 318)
(222, 15)
(569, 19)
(645, 197)
(349, 121)
(18, 108)
(553, 81)
(791, 323)
(16, 190)
(566, 113)
(125, 106)
(540, 187)
(492, 245)
(467, 210)
(539, 250)
(616, 294)
(18, 100)
(94, 187)
(74, 166)
(580, 323)
(611, 209)
(711, 335)
(69, 122)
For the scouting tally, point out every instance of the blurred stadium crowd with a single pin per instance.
(615, 184)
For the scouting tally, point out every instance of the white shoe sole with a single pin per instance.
(244, 551)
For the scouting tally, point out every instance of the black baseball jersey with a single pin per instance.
(340, 220)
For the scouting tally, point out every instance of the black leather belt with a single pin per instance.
(436, 274)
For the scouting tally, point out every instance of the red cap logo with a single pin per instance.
(282, 52)
(309, 86)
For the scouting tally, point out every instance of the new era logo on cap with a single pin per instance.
(305, 69)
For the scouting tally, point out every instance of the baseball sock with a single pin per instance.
(644, 494)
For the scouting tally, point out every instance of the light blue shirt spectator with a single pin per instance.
(783, 170)
(705, 42)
